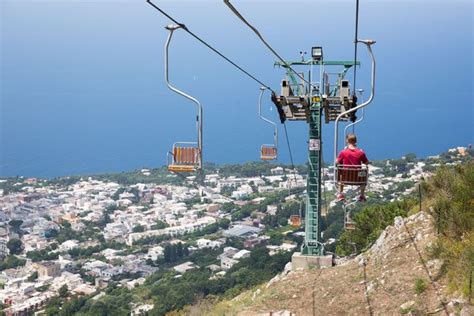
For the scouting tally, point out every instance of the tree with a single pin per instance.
(15, 246)
(399, 164)
(224, 223)
(179, 250)
(33, 276)
(63, 291)
(159, 225)
(15, 224)
(138, 229)
(167, 253)
(410, 157)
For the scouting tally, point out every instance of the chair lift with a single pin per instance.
(349, 224)
(268, 152)
(295, 220)
(353, 124)
(185, 156)
(353, 174)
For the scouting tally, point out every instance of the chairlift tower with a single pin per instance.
(308, 103)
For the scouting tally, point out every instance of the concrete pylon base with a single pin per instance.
(305, 262)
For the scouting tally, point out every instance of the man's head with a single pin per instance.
(351, 139)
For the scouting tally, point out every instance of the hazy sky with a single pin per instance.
(82, 87)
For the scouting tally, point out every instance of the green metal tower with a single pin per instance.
(312, 245)
(320, 98)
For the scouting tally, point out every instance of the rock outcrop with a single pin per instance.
(395, 276)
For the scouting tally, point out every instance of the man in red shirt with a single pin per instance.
(351, 156)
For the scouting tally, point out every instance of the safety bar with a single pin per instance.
(275, 133)
(369, 44)
(171, 28)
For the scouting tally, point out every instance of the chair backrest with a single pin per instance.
(295, 220)
(349, 226)
(185, 155)
(352, 174)
(268, 152)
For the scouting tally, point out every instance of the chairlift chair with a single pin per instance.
(349, 224)
(349, 174)
(295, 219)
(185, 156)
(352, 174)
(268, 151)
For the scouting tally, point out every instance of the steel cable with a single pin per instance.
(237, 13)
(207, 45)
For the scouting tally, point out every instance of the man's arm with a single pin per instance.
(364, 159)
(339, 159)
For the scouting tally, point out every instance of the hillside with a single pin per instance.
(395, 276)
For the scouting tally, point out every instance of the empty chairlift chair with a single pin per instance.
(295, 219)
(268, 151)
(349, 224)
(185, 156)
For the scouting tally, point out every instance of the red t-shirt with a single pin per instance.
(352, 157)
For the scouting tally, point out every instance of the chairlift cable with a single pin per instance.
(237, 13)
(208, 45)
(355, 46)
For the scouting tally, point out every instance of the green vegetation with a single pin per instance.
(370, 222)
(43, 288)
(15, 246)
(11, 262)
(159, 225)
(248, 169)
(63, 291)
(174, 293)
(138, 229)
(450, 199)
(84, 253)
(15, 225)
(170, 292)
(159, 175)
(420, 286)
(172, 253)
(42, 255)
(33, 276)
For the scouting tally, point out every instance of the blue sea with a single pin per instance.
(83, 91)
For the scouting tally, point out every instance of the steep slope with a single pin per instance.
(395, 276)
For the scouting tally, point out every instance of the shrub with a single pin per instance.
(370, 222)
(450, 194)
(420, 286)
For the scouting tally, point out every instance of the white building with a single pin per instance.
(206, 243)
(227, 263)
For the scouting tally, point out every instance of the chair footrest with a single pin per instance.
(181, 168)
